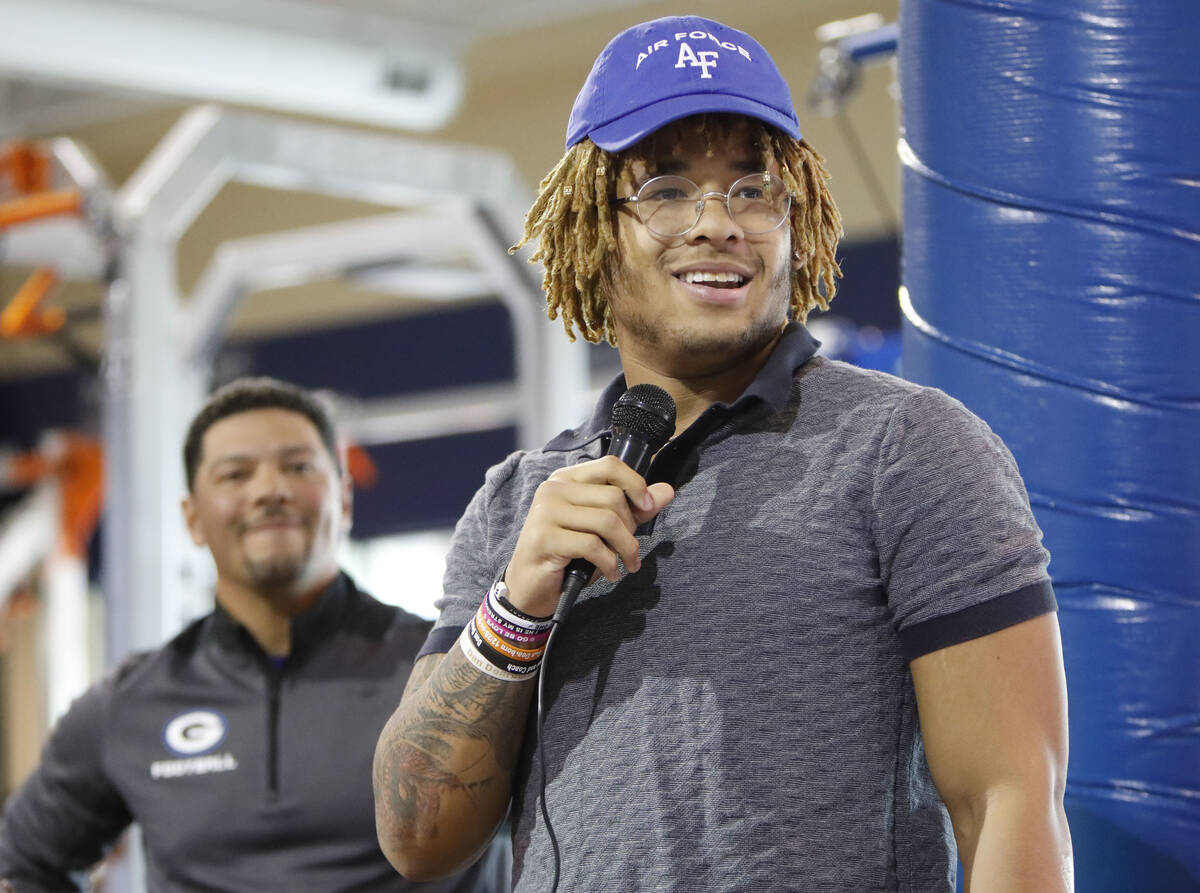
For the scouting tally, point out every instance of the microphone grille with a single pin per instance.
(648, 410)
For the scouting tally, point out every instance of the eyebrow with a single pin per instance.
(665, 166)
(286, 452)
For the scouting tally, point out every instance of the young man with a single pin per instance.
(819, 550)
(243, 745)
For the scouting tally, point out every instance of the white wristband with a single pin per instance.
(485, 666)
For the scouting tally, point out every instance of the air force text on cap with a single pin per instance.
(688, 56)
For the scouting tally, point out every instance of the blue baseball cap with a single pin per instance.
(657, 72)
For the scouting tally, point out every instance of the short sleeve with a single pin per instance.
(960, 552)
(474, 561)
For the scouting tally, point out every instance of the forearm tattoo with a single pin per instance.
(457, 732)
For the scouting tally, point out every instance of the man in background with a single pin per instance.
(243, 746)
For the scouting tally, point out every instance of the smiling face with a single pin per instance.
(269, 503)
(694, 304)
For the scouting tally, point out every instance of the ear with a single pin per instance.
(191, 520)
(347, 502)
(797, 261)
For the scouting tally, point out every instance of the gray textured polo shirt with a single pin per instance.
(739, 714)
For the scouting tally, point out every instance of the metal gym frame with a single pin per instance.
(160, 346)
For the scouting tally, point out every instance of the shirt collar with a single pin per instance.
(771, 386)
(309, 628)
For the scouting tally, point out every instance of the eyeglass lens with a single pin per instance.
(671, 206)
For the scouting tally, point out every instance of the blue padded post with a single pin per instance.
(1051, 264)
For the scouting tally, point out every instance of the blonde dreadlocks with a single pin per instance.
(574, 223)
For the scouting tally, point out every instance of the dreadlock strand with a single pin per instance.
(821, 228)
(592, 240)
(830, 229)
(570, 228)
(544, 222)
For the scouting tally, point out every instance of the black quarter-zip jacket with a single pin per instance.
(245, 773)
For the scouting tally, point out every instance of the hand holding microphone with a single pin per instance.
(583, 517)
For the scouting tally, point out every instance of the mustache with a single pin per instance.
(269, 515)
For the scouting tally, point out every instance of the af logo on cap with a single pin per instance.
(660, 71)
(705, 59)
(194, 732)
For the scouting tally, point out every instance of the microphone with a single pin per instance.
(643, 419)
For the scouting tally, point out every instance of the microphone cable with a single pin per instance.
(541, 749)
(643, 419)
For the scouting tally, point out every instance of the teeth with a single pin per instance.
(712, 277)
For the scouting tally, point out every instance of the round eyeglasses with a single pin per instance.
(671, 206)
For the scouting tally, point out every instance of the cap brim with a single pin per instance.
(640, 123)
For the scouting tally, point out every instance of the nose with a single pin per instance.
(715, 223)
(269, 484)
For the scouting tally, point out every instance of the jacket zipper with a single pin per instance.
(273, 685)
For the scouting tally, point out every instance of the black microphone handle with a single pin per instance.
(632, 448)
